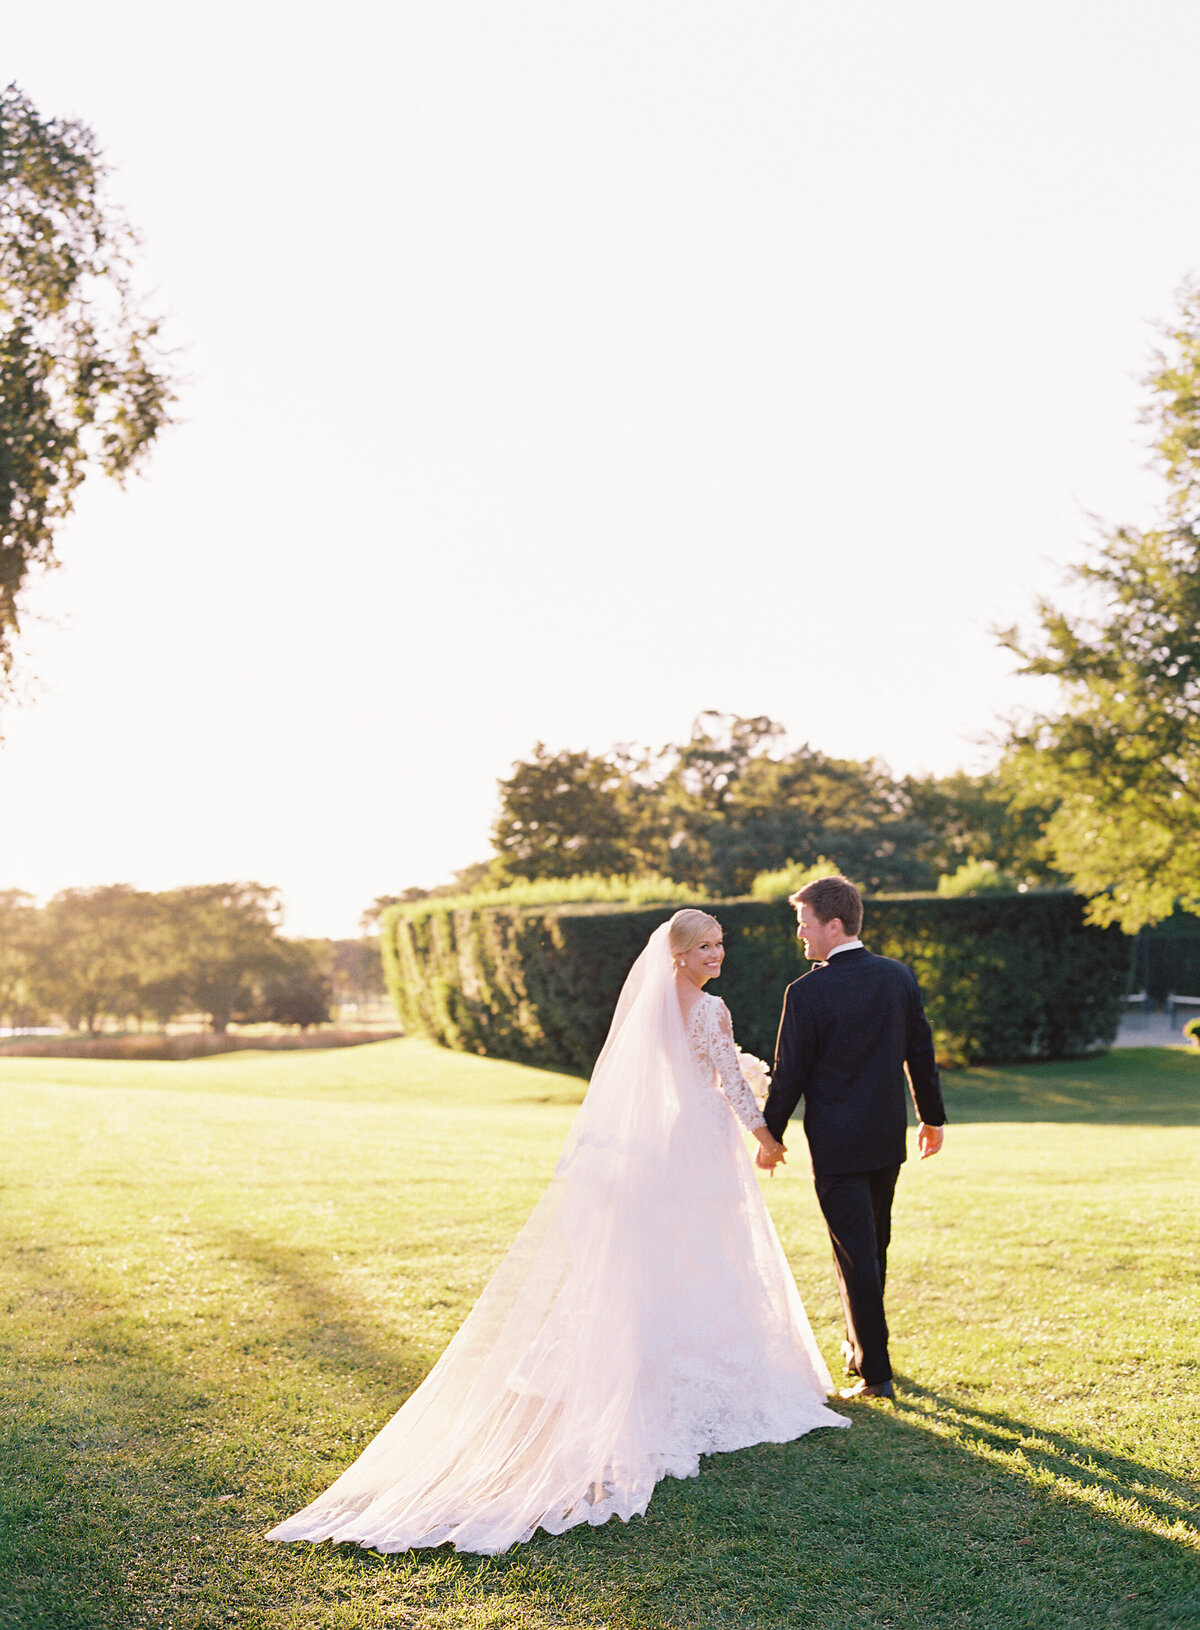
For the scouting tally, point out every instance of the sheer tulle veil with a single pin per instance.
(571, 1387)
(633, 1100)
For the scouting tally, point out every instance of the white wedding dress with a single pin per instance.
(644, 1316)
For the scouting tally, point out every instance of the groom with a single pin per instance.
(852, 1028)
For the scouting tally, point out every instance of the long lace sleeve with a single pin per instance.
(725, 1058)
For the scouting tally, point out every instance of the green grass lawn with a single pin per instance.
(221, 1277)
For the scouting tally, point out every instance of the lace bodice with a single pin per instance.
(710, 1032)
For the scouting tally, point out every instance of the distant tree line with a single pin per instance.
(734, 802)
(116, 953)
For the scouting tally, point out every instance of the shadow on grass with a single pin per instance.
(1089, 1471)
(141, 1462)
(95, 1427)
(1000, 1526)
(322, 1328)
(141, 1468)
(890, 1524)
(1134, 1086)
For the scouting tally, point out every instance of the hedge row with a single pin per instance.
(1005, 977)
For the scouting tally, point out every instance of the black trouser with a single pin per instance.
(857, 1207)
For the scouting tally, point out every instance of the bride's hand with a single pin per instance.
(771, 1152)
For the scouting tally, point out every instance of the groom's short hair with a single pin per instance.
(832, 897)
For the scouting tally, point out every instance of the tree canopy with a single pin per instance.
(565, 814)
(733, 802)
(84, 383)
(1119, 764)
(92, 956)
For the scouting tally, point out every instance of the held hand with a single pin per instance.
(770, 1152)
(929, 1139)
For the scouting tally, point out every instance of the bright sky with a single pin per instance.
(559, 370)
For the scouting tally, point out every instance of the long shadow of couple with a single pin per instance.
(932, 1515)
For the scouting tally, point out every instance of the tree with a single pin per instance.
(94, 953)
(563, 815)
(83, 381)
(710, 766)
(976, 877)
(713, 812)
(970, 818)
(698, 791)
(806, 804)
(18, 925)
(1120, 763)
(789, 880)
(226, 946)
(117, 953)
(296, 990)
(732, 803)
(354, 969)
(741, 809)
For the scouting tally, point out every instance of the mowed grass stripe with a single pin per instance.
(220, 1277)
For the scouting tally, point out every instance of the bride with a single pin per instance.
(645, 1315)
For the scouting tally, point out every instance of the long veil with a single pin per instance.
(557, 1402)
(633, 1100)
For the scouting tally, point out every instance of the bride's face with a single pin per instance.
(703, 961)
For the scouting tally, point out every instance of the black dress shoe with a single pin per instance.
(868, 1389)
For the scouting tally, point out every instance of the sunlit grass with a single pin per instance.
(220, 1277)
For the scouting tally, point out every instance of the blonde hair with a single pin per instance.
(688, 928)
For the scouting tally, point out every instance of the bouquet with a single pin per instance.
(757, 1076)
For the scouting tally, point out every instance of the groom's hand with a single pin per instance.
(929, 1139)
(768, 1159)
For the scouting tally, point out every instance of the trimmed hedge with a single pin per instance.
(1005, 977)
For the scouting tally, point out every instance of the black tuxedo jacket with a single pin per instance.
(850, 1028)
